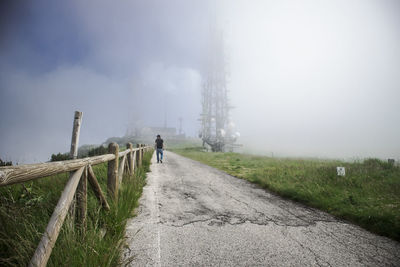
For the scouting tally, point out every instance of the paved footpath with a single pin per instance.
(194, 215)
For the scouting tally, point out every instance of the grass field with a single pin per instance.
(369, 194)
(26, 209)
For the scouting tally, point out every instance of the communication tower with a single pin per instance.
(216, 127)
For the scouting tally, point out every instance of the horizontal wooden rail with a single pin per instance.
(22, 173)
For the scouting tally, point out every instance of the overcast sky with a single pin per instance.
(307, 78)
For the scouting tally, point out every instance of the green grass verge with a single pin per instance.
(369, 194)
(26, 209)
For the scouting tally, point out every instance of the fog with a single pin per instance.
(306, 78)
(317, 78)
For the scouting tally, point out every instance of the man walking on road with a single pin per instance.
(159, 148)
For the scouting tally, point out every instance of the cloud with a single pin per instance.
(171, 79)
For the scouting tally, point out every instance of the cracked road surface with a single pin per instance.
(193, 215)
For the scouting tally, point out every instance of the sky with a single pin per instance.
(306, 78)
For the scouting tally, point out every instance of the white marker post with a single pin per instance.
(341, 171)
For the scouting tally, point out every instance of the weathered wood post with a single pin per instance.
(81, 201)
(138, 156)
(130, 158)
(134, 161)
(112, 173)
(73, 154)
(121, 169)
(142, 151)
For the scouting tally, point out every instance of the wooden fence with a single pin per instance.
(76, 187)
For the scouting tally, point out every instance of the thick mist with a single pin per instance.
(306, 78)
(316, 78)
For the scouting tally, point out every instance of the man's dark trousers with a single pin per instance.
(159, 151)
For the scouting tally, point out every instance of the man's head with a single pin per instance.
(158, 136)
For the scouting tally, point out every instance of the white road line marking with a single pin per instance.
(157, 210)
(158, 231)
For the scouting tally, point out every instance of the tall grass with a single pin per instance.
(26, 209)
(369, 194)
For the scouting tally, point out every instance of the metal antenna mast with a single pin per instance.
(215, 130)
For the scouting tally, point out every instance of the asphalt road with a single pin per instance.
(194, 215)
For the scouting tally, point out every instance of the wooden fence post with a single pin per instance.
(142, 150)
(138, 156)
(73, 153)
(121, 169)
(112, 173)
(130, 158)
(81, 201)
(134, 162)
